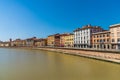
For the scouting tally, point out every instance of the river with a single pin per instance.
(25, 64)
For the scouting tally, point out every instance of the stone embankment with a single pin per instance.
(105, 56)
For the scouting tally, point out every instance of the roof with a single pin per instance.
(88, 27)
(115, 25)
(38, 40)
(54, 35)
(33, 38)
(18, 40)
(66, 34)
(102, 32)
(4, 42)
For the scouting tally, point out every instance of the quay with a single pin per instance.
(104, 55)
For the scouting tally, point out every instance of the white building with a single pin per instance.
(83, 36)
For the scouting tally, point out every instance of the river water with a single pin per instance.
(21, 64)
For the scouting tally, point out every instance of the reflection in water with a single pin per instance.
(18, 64)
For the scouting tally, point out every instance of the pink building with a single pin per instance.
(115, 36)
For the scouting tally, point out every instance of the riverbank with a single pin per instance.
(104, 56)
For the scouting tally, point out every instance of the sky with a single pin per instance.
(28, 18)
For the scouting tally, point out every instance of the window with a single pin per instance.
(118, 40)
(103, 35)
(100, 40)
(113, 40)
(81, 41)
(97, 40)
(103, 40)
(87, 42)
(97, 46)
(118, 29)
(118, 34)
(108, 35)
(97, 36)
(112, 34)
(108, 40)
(94, 46)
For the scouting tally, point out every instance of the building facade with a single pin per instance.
(82, 36)
(50, 40)
(53, 40)
(40, 42)
(18, 43)
(115, 36)
(4, 44)
(62, 39)
(69, 40)
(101, 40)
(30, 42)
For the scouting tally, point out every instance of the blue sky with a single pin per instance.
(40, 18)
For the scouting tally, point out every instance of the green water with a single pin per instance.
(19, 64)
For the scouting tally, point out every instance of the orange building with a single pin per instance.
(30, 42)
(115, 36)
(62, 39)
(53, 40)
(40, 42)
(101, 40)
(18, 43)
(69, 40)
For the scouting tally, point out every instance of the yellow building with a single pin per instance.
(50, 40)
(53, 40)
(40, 42)
(69, 40)
(4, 44)
(18, 43)
(62, 39)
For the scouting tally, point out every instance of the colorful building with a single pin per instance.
(62, 39)
(30, 42)
(115, 36)
(50, 41)
(53, 40)
(40, 42)
(18, 43)
(4, 44)
(101, 40)
(83, 36)
(69, 40)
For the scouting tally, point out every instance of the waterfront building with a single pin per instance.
(18, 43)
(50, 40)
(101, 40)
(40, 42)
(30, 42)
(4, 44)
(62, 39)
(83, 36)
(53, 40)
(69, 40)
(115, 36)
